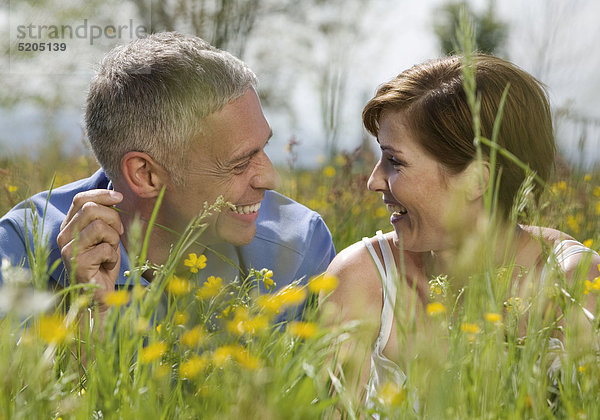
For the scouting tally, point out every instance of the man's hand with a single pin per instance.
(95, 255)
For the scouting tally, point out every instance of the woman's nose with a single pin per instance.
(377, 181)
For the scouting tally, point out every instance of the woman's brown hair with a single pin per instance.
(432, 97)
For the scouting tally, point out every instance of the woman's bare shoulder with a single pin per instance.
(353, 264)
(549, 235)
(359, 288)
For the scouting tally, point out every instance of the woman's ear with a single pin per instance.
(143, 175)
(477, 176)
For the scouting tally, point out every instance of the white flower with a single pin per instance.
(17, 294)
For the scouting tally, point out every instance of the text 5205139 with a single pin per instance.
(42, 46)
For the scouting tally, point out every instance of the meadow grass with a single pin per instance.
(215, 353)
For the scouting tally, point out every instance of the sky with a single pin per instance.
(552, 39)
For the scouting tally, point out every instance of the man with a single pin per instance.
(172, 112)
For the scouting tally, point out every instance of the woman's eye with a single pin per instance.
(395, 162)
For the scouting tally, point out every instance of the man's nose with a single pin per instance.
(266, 176)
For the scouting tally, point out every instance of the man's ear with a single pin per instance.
(477, 177)
(143, 175)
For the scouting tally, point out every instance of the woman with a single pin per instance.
(438, 193)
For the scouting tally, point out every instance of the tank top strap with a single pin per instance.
(568, 248)
(560, 253)
(389, 292)
(374, 257)
(388, 275)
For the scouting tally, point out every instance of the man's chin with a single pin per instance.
(238, 237)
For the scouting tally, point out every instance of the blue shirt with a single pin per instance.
(291, 240)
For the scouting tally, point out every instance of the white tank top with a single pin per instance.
(383, 370)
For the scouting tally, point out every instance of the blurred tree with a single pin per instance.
(490, 32)
(226, 24)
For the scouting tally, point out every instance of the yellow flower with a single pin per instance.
(515, 304)
(193, 337)
(391, 394)
(159, 328)
(192, 367)
(245, 359)
(225, 312)
(592, 286)
(381, 212)
(340, 160)
(12, 188)
(329, 171)
(324, 283)
(560, 186)
(435, 308)
(228, 353)
(195, 262)
(267, 278)
(180, 318)
(53, 329)
(269, 303)
(116, 298)
(597, 191)
(493, 317)
(435, 289)
(223, 354)
(153, 352)
(211, 287)
(469, 328)
(288, 296)
(243, 323)
(588, 243)
(587, 177)
(573, 223)
(291, 295)
(178, 286)
(302, 329)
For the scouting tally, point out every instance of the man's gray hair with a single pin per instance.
(152, 96)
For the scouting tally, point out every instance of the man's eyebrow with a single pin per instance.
(250, 153)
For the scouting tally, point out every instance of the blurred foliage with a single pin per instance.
(335, 188)
(21, 176)
(490, 32)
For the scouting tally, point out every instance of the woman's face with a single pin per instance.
(417, 191)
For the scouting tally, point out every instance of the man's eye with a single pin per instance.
(241, 167)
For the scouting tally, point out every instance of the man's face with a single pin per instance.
(227, 159)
